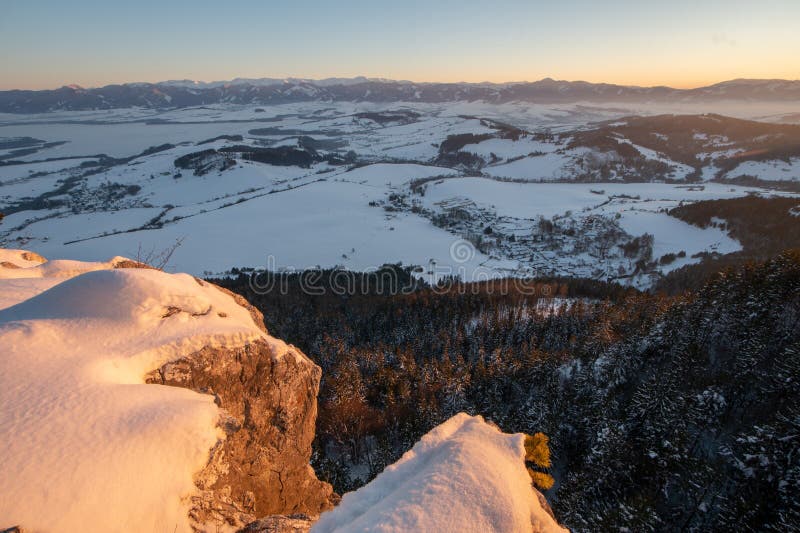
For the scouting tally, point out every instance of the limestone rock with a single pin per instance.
(269, 407)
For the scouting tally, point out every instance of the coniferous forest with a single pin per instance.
(677, 412)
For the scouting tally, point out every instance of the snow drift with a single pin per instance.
(465, 475)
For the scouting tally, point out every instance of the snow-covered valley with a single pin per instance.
(527, 189)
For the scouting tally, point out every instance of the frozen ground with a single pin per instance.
(96, 193)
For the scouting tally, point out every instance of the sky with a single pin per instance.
(680, 43)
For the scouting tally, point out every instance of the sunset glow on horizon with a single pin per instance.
(91, 43)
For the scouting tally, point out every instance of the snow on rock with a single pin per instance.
(16, 271)
(13, 259)
(24, 274)
(85, 443)
(22, 264)
(465, 475)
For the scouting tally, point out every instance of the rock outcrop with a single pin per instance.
(268, 403)
(269, 408)
(85, 346)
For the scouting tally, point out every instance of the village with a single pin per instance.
(586, 245)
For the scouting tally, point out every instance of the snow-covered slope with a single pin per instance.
(464, 476)
(773, 170)
(85, 444)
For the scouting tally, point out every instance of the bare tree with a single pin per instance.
(158, 259)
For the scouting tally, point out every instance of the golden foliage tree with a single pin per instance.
(537, 458)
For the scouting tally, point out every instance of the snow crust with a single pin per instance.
(85, 444)
(465, 475)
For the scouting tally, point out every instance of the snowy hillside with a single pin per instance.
(85, 445)
(534, 189)
(465, 475)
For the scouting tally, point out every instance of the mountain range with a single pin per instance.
(187, 93)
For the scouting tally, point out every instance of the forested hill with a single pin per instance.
(664, 413)
(691, 422)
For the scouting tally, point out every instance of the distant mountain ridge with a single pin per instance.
(266, 91)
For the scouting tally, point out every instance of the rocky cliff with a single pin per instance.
(268, 409)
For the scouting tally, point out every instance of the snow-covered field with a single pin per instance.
(544, 167)
(73, 200)
(777, 170)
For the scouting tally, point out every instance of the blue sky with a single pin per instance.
(46, 43)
